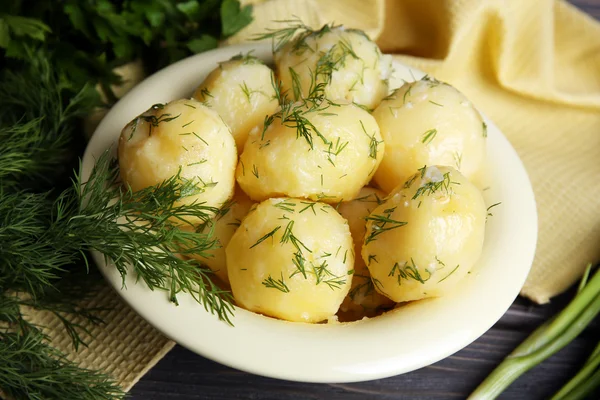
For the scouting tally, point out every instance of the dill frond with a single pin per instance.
(31, 369)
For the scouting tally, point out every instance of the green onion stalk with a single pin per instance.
(547, 340)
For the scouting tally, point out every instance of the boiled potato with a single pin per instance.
(241, 91)
(182, 136)
(326, 152)
(223, 226)
(428, 122)
(426, 236)
(282, 263)
(362, 300)
(346, 61)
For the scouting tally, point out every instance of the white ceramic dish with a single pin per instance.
(406, 339)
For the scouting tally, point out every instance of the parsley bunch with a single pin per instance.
(86, 40)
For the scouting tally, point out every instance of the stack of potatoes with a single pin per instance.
(337, 195)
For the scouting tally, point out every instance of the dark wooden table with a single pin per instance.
(183, 375)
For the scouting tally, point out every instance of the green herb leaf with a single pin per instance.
(203, 43)
(234, 17)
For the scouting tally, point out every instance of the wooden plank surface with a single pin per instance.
(183, 375)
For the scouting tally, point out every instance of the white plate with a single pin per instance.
(408, 338)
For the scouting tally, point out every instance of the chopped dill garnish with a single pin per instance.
(265, 237)
(286, 206)
(255, 171)
(429, 136)
(485, 130)
(408, 271)
(370, 198)
(309, 205)
(458, 159)
(278, 284)
(451, 272)
(373, 142)
(246, 59)
(489, 214)
(335, 150)
(198, 162)
(288, 236)
(300, 264)
(430, 188)
(407, 93)
(280, 37)
(439, 262)
(382, 223)
(296, 83)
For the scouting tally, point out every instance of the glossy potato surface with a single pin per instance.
(283, 263)
(363, 299)
(335, 155)
(426, 236)
(241, 91)
(349, 64)
(428, 122)
(183, 137)
(223, 226)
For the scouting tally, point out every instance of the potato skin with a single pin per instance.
(428, 122)
(426, 236)
(223, 226)
(281, 162)
(362, 300)
(241, 91)
(358, 73)
(186, 135)
(282, 263)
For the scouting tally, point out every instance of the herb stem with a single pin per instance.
(586, 374)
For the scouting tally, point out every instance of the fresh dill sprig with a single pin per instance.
(280, 37)
(136, 231)
(32, 369)
(37, 124)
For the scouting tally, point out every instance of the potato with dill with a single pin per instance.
(282, 263)
(426, 236)
(182, 137)
(321, 151)
(337, 62)
(428, 122)
(223, 226)
(362, 300)
(242, 92)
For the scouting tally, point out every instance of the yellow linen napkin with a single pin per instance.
(532, 66)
